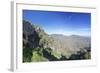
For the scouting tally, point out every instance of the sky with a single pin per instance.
(66, 23)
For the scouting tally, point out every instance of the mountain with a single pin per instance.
(30, 36)
(73, 42)
(40, 46)
(70, 44)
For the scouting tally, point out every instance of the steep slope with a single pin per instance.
(40, 46)
(35, 43)
(30, 36)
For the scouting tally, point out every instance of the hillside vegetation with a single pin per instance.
(39, 46)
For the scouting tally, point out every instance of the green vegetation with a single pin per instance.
(37, 57)
(27, 54)
(56, 54)
(87, 55)
(39, 46)
(47, 54)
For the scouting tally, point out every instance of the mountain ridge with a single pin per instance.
(60, 45)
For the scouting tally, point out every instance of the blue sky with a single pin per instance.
(66, 23)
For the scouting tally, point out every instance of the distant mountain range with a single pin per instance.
(35, 37)
(71, 44)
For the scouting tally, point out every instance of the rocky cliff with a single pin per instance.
(52, 47)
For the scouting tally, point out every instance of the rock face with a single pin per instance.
(30, 36)
(34, 36)
(36, 43)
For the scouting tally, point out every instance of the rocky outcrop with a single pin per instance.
(30, 36)
(53, 47)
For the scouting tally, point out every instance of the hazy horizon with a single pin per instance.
(65, 23)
